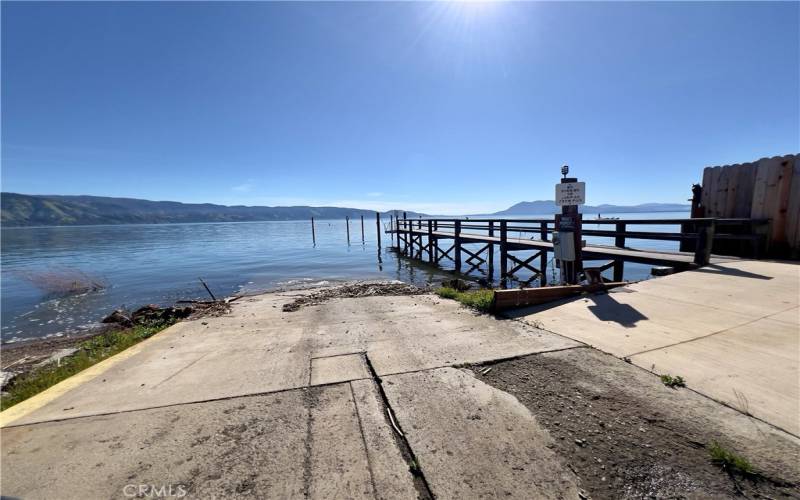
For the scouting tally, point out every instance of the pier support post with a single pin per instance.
(362, 229)
(490, 253)
(543, 255)
(313, 233)
(406, 235)
(619, 239)
(347, 223)
(457, 246)
(705, 241)
(430, 242)
(503, 252)
(619, 270)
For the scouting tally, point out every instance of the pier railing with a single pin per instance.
(417, 237)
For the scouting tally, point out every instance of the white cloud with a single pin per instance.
(375, 194)
(244, 188)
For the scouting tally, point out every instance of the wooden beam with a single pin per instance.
(520, 264)
(507, 299)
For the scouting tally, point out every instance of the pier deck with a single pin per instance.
(472, 244)
(590, 252)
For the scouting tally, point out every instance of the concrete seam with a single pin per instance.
(364, 441)
(182, 369)
(420, 481)
(308, 400)
(337, 355)
(699, 338)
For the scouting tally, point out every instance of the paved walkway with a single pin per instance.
(732, 330)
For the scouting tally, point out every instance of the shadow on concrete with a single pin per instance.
(605, 308)
(727, 271)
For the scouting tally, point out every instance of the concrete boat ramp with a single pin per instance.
(375, 397)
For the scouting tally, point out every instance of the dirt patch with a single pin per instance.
(351, 291)
(624, 443)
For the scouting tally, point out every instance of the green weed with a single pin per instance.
(89, 353)
(481, 300)
(673, 382)
(729, 461)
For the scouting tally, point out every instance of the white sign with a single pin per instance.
(570, 193)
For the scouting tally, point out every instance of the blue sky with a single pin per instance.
(438, 107)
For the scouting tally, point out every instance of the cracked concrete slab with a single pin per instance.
(339, 368)
(259, 348)
(323, 442)
(474, 441)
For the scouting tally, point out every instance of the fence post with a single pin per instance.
(503, 252)
(457, 246)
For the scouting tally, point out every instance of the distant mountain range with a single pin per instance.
(54, 210)
(549, 207)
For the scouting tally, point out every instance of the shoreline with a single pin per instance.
(26, 356)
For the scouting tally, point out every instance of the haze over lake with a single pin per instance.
(161, 263)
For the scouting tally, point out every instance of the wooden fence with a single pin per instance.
(765, 189)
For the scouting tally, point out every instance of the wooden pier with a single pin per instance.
(424, 239)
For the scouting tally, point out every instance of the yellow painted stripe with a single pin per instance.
(33, 403)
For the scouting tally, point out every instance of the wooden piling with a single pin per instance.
(313, 233)
(347, 223)
(543, 254)
(378, 229)
(503, 252)
(619, 270)
(407, 244)
(362, 229)
(431, 249)
(490, 252)
(457, 246)
(705, 239)
(619, 239)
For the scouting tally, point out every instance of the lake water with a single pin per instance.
(161, 263)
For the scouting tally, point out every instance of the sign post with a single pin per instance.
(567, 241)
